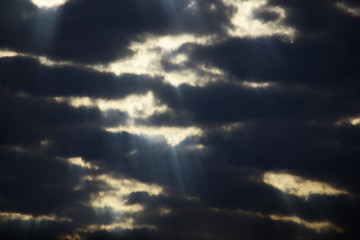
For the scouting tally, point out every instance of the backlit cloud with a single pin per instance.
(299, 186)
(179, 119)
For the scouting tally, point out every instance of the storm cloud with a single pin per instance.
(189, 119)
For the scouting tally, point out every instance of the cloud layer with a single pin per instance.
(189, 119)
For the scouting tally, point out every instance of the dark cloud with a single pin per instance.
(93, 32)
(39, 80)
(211, 184)
(266, 15)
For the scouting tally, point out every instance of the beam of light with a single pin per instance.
(355, 12)
(245, 26)
(318, 226)
(137, 106)
(12, 216)
(149, 54)
(299, 186)
(48, 3)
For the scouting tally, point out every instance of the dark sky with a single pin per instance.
(179, 119)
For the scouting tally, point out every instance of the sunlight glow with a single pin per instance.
(355, 121)
(48, 3)
(298, 186)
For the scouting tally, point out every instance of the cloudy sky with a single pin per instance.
(179, 119)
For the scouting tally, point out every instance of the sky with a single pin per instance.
(179, 119)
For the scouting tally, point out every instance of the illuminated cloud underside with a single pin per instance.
(299, 186)
(11, 216)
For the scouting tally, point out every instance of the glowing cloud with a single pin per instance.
(48, 3)
(136, 106)
(318, 226)
(7, 53)
(355, 121)
(299, 186)
(114, 197)
(128, 224)
(245, 26)
(256, 84)
(355, 12)
(11, 216)
(149, 54)
(173, 135)
(78, 161)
